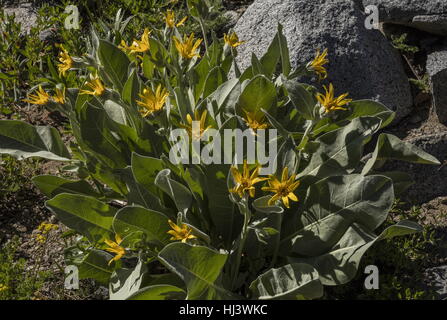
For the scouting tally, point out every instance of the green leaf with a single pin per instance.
(356, 109)
(115, 63)
(88, 216)
(270, 59)
(199, 267)
(126, 282)
(51, 186)
(224, 214)
(96, 134)
(199, 75)
(159, 292)
(215, 78)
(95, 266)
(341, 150)
(227, 95)
(390, 147)
(303, 101)
(361, 108)
(291, 281)
(339, 265)
(22, 140)
(332, 205)
(260, 93)
(180, 194)
(284, 51)
(131, 90)
(115, 111)
(152, 223)
(145, 170)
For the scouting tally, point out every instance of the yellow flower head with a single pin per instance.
(329, 102)
(138, 46)
(43, 229)
(40, 97)
(114, 247)
(170, 19)
(3, 287)
(317, 65)
(60, 96)
(254, 121)
(245, 182)
(183, 232)
(96, 86)
(232, 40)
(66, 62)
(202, 121)
(283, 189)
(152, 101)
(187, 48)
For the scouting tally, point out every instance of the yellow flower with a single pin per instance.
(245, 182)
(152, 102)
(183, 233)
(114, 247)
(41, 97)
(255, 122)
(3, 287)
(170, 19)
(60, 96)
(44, 227)
(317, 65)
(197, 117)
(187, 48)
(66, 62)
(329, 102)
(283, 189)
(138, 46)
(97, 87)
(41, 238)
(232, 40)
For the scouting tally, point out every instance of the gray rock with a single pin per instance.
(24, 14)
(429, 180)
(436, 279)
(430, 16)
(437, 71)
(362, 62)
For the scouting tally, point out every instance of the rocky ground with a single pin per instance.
(363, 62)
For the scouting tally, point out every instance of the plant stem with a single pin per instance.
(243, 239)
(278, 241)
(202, 26)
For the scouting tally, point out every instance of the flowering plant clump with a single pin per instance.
(156, 228)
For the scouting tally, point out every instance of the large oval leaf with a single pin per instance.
(341, 150)
(199, 267)
(339, 265)
(152, 223)
(22, 140)
(175, 190)
(292, 281)
(390, 147)
(332, 206)
(88, 216)
(51, 186)
(259, 93)
(95, 266)
(115, 63)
